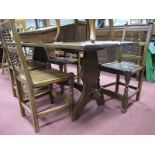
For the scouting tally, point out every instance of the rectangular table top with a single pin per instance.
(81, 46)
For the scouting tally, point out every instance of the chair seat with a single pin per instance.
(121, 67)
(33, 65)
(46, 77)
(62, 60)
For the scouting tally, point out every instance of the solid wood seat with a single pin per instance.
(62, 60)
(45, 77)
(121, 67)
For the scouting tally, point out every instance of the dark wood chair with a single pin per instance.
(33, 78)
(67, 58)
(62, 59)
(131, 62)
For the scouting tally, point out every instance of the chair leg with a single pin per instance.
(25, 51)
(34, 111)
(65, 68)
(65, 65)
(125, 96)
(117, 83)
(61, 69)
(50, 95)
(71, 96)
(62, 86)
(98, 81)
(140, 80)
(20, 97)
(13, 83)
(35, 122)
(3, 62)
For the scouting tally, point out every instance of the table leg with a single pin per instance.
(89, 75)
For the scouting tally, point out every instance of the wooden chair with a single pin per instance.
(4, 63)
(33, 79)
(32, 65)
(131, 62)
(68, 57)
(64, 60)
(21, 26)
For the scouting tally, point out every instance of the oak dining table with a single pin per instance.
(89, 73)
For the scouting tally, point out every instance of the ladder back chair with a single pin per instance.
(21, 26)
(131, 62)
(32, 64)
(33, 78)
